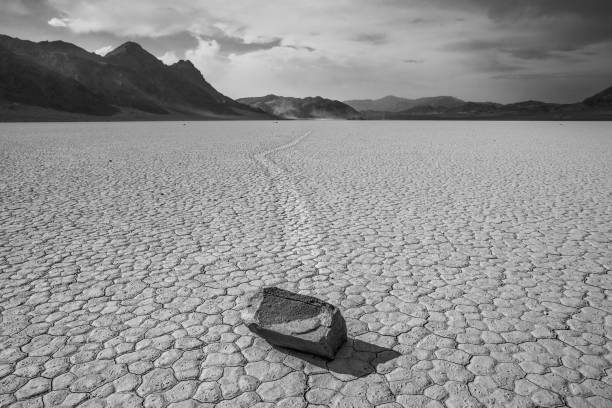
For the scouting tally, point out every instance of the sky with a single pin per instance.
(481, 50)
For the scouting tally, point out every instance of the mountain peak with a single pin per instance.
(132, 55)
(187, 70)
(128, 46)
(184, 63)
(186, 67)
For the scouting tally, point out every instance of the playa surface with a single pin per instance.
(471, 260)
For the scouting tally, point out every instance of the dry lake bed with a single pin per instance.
(471, 260)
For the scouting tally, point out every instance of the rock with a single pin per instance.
(298, 322)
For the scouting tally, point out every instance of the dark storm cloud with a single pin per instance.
(296, 47)
(26, 18)
(39, 8)
(237, 45)
(501, 9)
(371, 38)
(520, 9)
(572, 23)
(229, 44)
(493, 64)
(538, 54)
(514, 47)
(538, 30)
(553, 75)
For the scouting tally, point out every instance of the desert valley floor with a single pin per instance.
(471, 260)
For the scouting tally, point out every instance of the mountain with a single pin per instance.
(57, 80)
(31, 84)
(396, 104)
(127, 81)
(132, 55)
(302, 108)
(596, 107)
(601, 99)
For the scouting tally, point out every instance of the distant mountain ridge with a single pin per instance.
(596, 107)
(393, 103)
(61, 76)
(302, 108)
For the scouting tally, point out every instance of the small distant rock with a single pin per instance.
(298, 322)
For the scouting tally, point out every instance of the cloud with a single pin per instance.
(14, 7)
(520, 9)
(413, 61)
(371, 38)
(169, 58)
(565, 24)
(236, 45)
(140, 18)
(301, 47)
(205, 49)
(104, 50)
(522, 46)
(58, 22)
(207, 58)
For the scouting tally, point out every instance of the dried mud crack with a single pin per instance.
(471, 261)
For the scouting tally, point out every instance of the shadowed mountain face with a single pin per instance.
(302, 108)
(602, 99)
(33, 84)
(127, 77)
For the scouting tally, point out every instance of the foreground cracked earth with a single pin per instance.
(470, 260)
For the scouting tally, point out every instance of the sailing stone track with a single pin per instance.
(471, 261)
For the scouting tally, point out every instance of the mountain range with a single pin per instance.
(393, 103)
(302, 108)
(58, 77)
(56, 80)
(596, 107)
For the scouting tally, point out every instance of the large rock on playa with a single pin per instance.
(298, 322)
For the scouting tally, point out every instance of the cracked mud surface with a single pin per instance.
(471, 262)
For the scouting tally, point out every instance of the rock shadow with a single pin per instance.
(356, 358)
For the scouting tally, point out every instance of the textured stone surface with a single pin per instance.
(471, 262)
(295, 321)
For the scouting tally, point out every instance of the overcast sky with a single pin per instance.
(498, 50)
